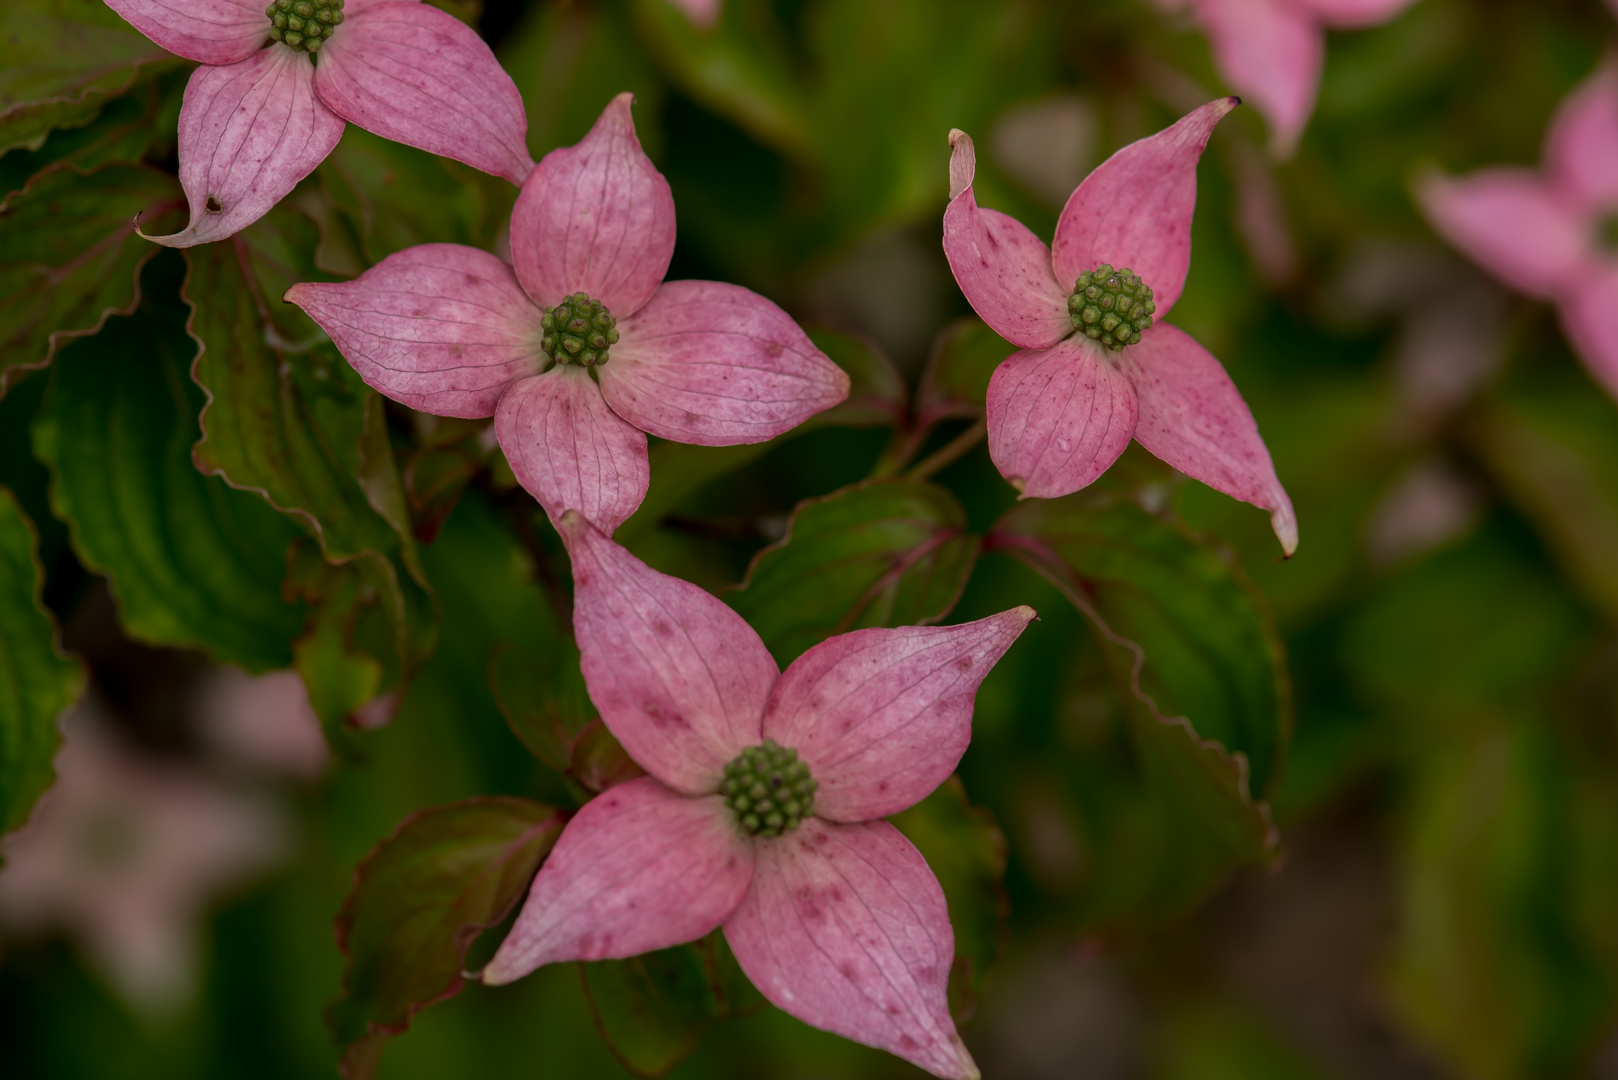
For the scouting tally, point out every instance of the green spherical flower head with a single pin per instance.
(578, 331)
(1111, 306)
(770, 790)
(304, 24)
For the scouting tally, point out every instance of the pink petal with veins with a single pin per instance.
(638, 868)
(442, 328)
(569, 450)
(679, 677)
(1348, 14)
(846, 929)
(596, 217)
(881, 716)
(1058, 417)
(419, 76)
(1590, 318)
(714, 364)
(1510, 223)
(1581, 148)
(1135, 210)
(248, 133)
(214, 32)
(1193, 417)
(1003, 269)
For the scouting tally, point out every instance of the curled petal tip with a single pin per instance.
(1285, 523)
(963, 162)
(1027, 613)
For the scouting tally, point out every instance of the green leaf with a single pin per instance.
(60, 61)
(1556, 454)
(543, 699)
(36, 681)
(287, 418)
(653, 1009)
(1199, 670)
(420, 898)
(190, 561)
(880, 553)
(967, 852)
(878, 396)
(131, 128)
(955, 382)
(72, 256)
(397, 196)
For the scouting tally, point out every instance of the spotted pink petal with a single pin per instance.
(1058, 417)
(679, 677)
(1348, 14)
(214, 32)
(1590, 318)
(1135, 210)
(1509, 222)
(881, 716)
(1193, 417)
(1581, 148)
(1003, 269)
(569, 450)
(596, 217)
(248, 133)
(846, 929)
(442, 328)
(714, 364)
(420, 76)
(639, 868)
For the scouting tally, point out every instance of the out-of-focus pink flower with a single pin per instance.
(280, 78)
(262, 721)
(125, 854)
(1099, 365)
(702, 13)
(1272, 51)
(454, 331)
(762, 809)
(1551, 234)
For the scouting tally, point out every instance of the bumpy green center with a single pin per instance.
(578, 331)
(770, 790)
(1111, 306)
(304, 24)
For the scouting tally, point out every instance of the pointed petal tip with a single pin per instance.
(1285, 524)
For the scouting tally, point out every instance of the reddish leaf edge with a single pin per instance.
(358, 1059)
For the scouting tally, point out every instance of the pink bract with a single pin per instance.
(1061, 411)
(454, 331)
(1550, 234)
(840, 922)
(258, 116)
(1272, 51)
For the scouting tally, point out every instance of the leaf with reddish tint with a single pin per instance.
(653, 1009)
(878, 396)
(72, 257)
(60, 61)
(420, 898)
(880, 553)
(967, 853)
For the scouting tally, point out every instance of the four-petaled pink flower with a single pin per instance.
(454, 331)
(1271, 51)
(762, 811)
(1099, 364)
(1552, 235)
(280, 77)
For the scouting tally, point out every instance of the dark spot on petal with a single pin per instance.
(893, 1009)
(848, 971)
(773, 349)
(907, 1043)
(213, 205)
(964, 662)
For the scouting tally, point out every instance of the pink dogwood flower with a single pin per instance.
(1271, 51)
(1099, 365)
(279, 78)
(1552, 234)
(762, 811)
(454, 331)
